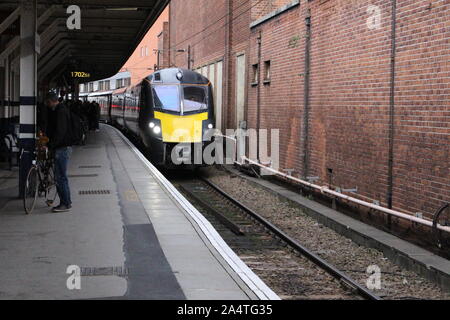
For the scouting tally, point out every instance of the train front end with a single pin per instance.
(179, 123)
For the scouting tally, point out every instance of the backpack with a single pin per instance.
(77, 134)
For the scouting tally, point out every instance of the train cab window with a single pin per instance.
(167, 98)
(195, 99)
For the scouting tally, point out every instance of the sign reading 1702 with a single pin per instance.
(77, 74)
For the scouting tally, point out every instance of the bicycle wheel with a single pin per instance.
(50, 192)
(31, 190)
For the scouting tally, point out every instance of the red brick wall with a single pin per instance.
(350, 81)
(140, 65)
(206, 26)
(282, 42)
(200, 24)
(350, 77)
(261, 8)
(239, 40)
(164, 46)
(422, 125)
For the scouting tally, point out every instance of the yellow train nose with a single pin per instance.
(181, 129)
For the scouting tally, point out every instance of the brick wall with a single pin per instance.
(239, 43)
(199, 24)
(350, 89)
(282, 43)
(422, 123)
(215, 30)
(144, 59)
(262, 8)
(164, 46)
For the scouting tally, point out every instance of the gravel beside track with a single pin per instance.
(349, 257)
(290, 275)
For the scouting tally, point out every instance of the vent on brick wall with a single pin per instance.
(93, 192)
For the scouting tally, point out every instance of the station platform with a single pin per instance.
(131, 234)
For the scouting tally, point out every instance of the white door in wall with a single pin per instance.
(240, 90)
(219, 95)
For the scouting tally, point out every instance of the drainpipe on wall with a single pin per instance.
(258, 93)
(189, 57)
(392, 108)
(227, 60)
(306, 95)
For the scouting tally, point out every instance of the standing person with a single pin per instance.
(60, 144)
(92, 116)
(96, 117)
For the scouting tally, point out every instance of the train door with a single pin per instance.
(110, 101)
(135, 93)
(144, 110)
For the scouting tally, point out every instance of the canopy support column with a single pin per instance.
(28, 87)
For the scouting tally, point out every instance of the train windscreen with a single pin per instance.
(194, 99)
(167, 98)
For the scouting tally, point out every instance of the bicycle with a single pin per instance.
(40, 179)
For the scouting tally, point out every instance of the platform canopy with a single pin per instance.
(110, 31)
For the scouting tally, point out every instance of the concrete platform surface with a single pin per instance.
(129, 234)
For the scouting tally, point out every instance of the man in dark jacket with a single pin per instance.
(60, 143)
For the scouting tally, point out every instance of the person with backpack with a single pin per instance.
(59, 131)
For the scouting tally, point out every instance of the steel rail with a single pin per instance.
(332, 270)
(223, 219)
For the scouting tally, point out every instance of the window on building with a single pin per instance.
(101, 86)
(107, 85)
(142, 51)
(91, 87)
(119, 83)
(146, 51)
(267, 71)
(255, 69)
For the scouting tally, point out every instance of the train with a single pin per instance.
(171, 112)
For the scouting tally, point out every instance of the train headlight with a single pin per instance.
(157, 129)
(210, 126)
(151, 125)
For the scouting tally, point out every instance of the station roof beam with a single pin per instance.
(112, 27)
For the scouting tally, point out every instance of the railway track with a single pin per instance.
(292, 270)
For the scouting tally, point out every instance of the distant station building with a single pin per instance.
(105, 86)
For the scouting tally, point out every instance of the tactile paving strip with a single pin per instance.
(104, 271)
(93, 192)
